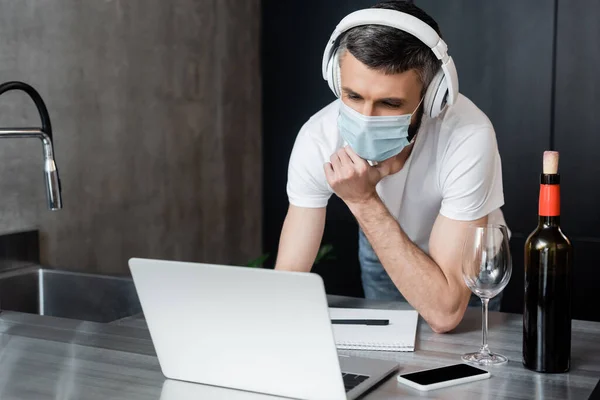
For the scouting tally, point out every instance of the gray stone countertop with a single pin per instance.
(51, 358)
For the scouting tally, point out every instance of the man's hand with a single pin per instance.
(354, 180)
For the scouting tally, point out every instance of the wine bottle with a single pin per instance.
(548, 260)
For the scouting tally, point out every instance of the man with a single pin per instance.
(413, 182)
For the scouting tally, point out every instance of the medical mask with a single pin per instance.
(374, 138)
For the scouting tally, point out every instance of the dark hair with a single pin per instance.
(392, 50)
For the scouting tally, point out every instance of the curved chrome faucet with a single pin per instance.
(44, 133)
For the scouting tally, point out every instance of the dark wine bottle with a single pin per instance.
(548, 263)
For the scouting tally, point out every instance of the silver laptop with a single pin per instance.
(250, 329)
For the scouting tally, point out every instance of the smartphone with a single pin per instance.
(443, 377)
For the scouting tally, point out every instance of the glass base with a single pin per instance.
(484, 358)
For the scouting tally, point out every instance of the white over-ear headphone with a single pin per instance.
(442, 90)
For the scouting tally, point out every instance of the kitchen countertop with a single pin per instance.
(52, 358)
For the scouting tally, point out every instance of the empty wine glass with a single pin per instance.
(486, 267)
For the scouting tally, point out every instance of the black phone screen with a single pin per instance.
(443, 374)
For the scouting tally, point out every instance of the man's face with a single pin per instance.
(373, 93)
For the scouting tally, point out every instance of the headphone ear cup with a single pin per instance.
(331, 74)
(435, 96)
(336, 76)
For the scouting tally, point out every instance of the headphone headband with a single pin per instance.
(404, 22)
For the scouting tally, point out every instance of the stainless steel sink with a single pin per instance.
(67, 294)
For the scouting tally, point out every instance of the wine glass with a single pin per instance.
(486, 268)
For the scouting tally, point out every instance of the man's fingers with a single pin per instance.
(329, 172)
(354, 157)
(345, 158)
(335, 161)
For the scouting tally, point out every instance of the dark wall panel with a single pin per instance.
(577, 123)
(577, 137)
(585, 279)
(513, 294)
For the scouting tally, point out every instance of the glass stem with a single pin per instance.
(484, 322)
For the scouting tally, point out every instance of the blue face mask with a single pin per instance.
(374, 138)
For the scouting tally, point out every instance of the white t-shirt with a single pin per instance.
(454, 170)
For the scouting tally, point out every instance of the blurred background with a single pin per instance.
(174, 122)
(156, 111)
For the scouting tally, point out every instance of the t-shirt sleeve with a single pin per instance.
(307, 185)
(471, 176)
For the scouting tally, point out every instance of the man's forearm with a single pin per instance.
(300, 238)
(415, 274)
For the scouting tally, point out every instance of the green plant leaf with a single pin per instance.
(325, 253)
(258, 262)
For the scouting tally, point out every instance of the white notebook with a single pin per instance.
(399, 335)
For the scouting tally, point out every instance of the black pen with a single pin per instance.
(360, 321)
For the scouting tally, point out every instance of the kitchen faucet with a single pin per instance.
(53, 190)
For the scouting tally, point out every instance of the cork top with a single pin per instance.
(550, 162)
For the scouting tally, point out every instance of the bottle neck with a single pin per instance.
(549, 205)
(548, 222)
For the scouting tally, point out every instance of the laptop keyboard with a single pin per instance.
(351, 380)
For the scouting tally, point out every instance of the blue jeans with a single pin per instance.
(378, 285)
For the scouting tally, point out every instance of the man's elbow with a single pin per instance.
(445, 321)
